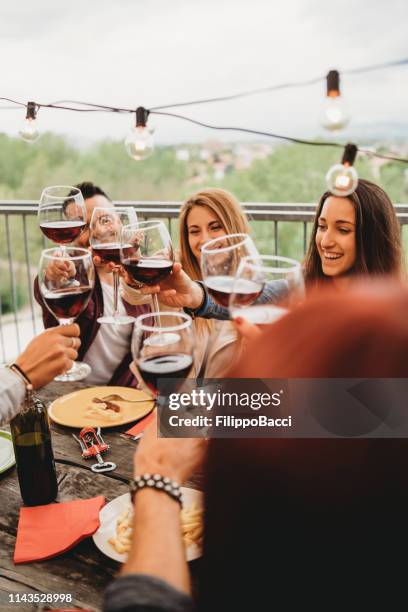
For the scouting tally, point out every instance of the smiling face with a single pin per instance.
(202, 225)
(336, 236)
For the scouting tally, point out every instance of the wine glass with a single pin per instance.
(220, 259)
(62, 213)
(63, 298)
(276, 281)
(147, 254)
(163, 348)
(105, 239)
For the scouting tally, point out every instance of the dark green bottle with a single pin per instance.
(31, 434)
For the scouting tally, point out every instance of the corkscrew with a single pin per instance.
(92, 445)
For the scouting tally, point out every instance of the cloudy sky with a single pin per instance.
(156, 52)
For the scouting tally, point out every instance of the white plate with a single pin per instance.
(109, 514)
(7, 459)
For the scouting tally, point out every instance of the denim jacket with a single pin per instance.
(271, 293)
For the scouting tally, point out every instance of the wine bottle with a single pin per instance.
(31, 435)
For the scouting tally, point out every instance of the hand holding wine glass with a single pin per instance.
(220, 259)
(62, 213)
(51, 352)
(105, 239)
(278, 279)
(163, 349)
(60, 270)
(147, 254)
(67, 298)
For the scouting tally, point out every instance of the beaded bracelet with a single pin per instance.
(156, 481)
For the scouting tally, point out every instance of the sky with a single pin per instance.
(155, 52)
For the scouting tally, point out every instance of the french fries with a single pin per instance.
(121, 542)
(191, 528)
(192, 525)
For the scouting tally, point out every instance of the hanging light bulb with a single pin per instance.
(335, 115)
(29, 129)
(342, 179)
(139, 142)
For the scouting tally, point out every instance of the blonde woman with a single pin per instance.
(205, 215)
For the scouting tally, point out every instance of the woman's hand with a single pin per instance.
(59, 271)
(50, 353)
(176, 458)
(177, 290)
(247, 331)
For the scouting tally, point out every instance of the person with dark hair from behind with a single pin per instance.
(317, 519)
(106, 348)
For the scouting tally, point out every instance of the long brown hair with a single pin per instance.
(378, 236)
(285, 516)
(229, 212)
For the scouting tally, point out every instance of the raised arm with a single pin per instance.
(46, 356)
(179, 291)
(157, 559)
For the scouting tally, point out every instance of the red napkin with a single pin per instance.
(47, 531)
(140, 426)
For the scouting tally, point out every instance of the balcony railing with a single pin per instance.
(21, 242)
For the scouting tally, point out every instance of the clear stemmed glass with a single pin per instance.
(64, 299)
(220, 259)
(62, 213)
(164, 349)
(105, 239)
(147, 254)
(278, 279)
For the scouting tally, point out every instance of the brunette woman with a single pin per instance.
(354, 236)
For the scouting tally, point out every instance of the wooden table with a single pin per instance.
(83, 571)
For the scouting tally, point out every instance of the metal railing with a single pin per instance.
(19, 256)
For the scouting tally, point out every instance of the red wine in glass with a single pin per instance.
(66, 298)
(67, 302)
(109, 252)
(146, 270)
(221, 287)
(105, 238)
(165, 366)
(62, 232)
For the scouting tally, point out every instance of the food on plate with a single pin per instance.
(123, 537)
(107, 405)
(191, 528)
(192, 525)
(101, 409)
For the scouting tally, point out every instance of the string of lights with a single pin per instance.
(141, 124)
(242, 94)
(341, 178)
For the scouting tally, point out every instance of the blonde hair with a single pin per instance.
(228, 210)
